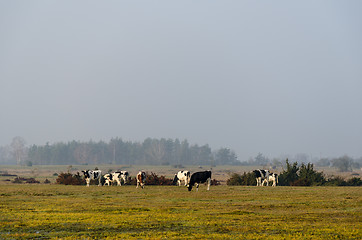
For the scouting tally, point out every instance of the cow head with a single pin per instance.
(175, 179)
(86, 173)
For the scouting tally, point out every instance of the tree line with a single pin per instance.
(117, 151)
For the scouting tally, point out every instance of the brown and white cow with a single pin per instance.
(141, 178)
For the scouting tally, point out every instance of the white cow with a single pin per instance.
(273, 177)
(116, 177)
(89, 175)
(182, 176)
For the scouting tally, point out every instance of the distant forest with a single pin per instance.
(116, 151)
(149, 152)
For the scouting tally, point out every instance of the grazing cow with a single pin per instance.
(89, 175)
(109, 179)
(124, 176)
(200, 177)
(273, 177)
(261, 177)
(141, 178)
(182, 176)
(116, 177)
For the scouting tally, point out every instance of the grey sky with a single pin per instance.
(279, 77)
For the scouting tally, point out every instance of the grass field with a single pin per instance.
(42, 211)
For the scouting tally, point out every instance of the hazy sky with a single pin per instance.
(275, 77)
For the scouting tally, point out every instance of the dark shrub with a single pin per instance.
(133, 181)
(300, 182)
(70, 179)
(6, 174)
(336, 181)
(235, 179)
(46, 181)
(247, 179)
(290, 175)
(354, 182)
(339, 181)
(303, 175)
(309, 176)
(31, 180)
(26, 180)
(18, 180)
(215, 182)
(153, 179)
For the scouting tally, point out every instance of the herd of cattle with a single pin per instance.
(262, 177)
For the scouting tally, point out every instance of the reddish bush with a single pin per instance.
(215, 182)
(26, 180)
(18, 180)
(153, 179)
(70, 179)
(46, 181)
(31, 180)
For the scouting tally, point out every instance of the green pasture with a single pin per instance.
(40, 211)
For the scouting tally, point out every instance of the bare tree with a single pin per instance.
(343, 164)
(18, 149)
(82, 153)
(156, 151)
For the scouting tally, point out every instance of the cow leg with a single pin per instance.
(179, 182)
(274, 183)
(124, 180)
(99, 182)
(118, 182)
(208, 184)
(88, 181)
(197, 187)
(264, 181)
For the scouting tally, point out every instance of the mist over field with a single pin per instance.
(280, 79)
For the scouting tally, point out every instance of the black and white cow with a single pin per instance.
(261, 177)
(109, 179)
(200, 177)
(182, 176)
(124, 175)
(273, 177)
(141, 178)
(92, 175)
(116, 177)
